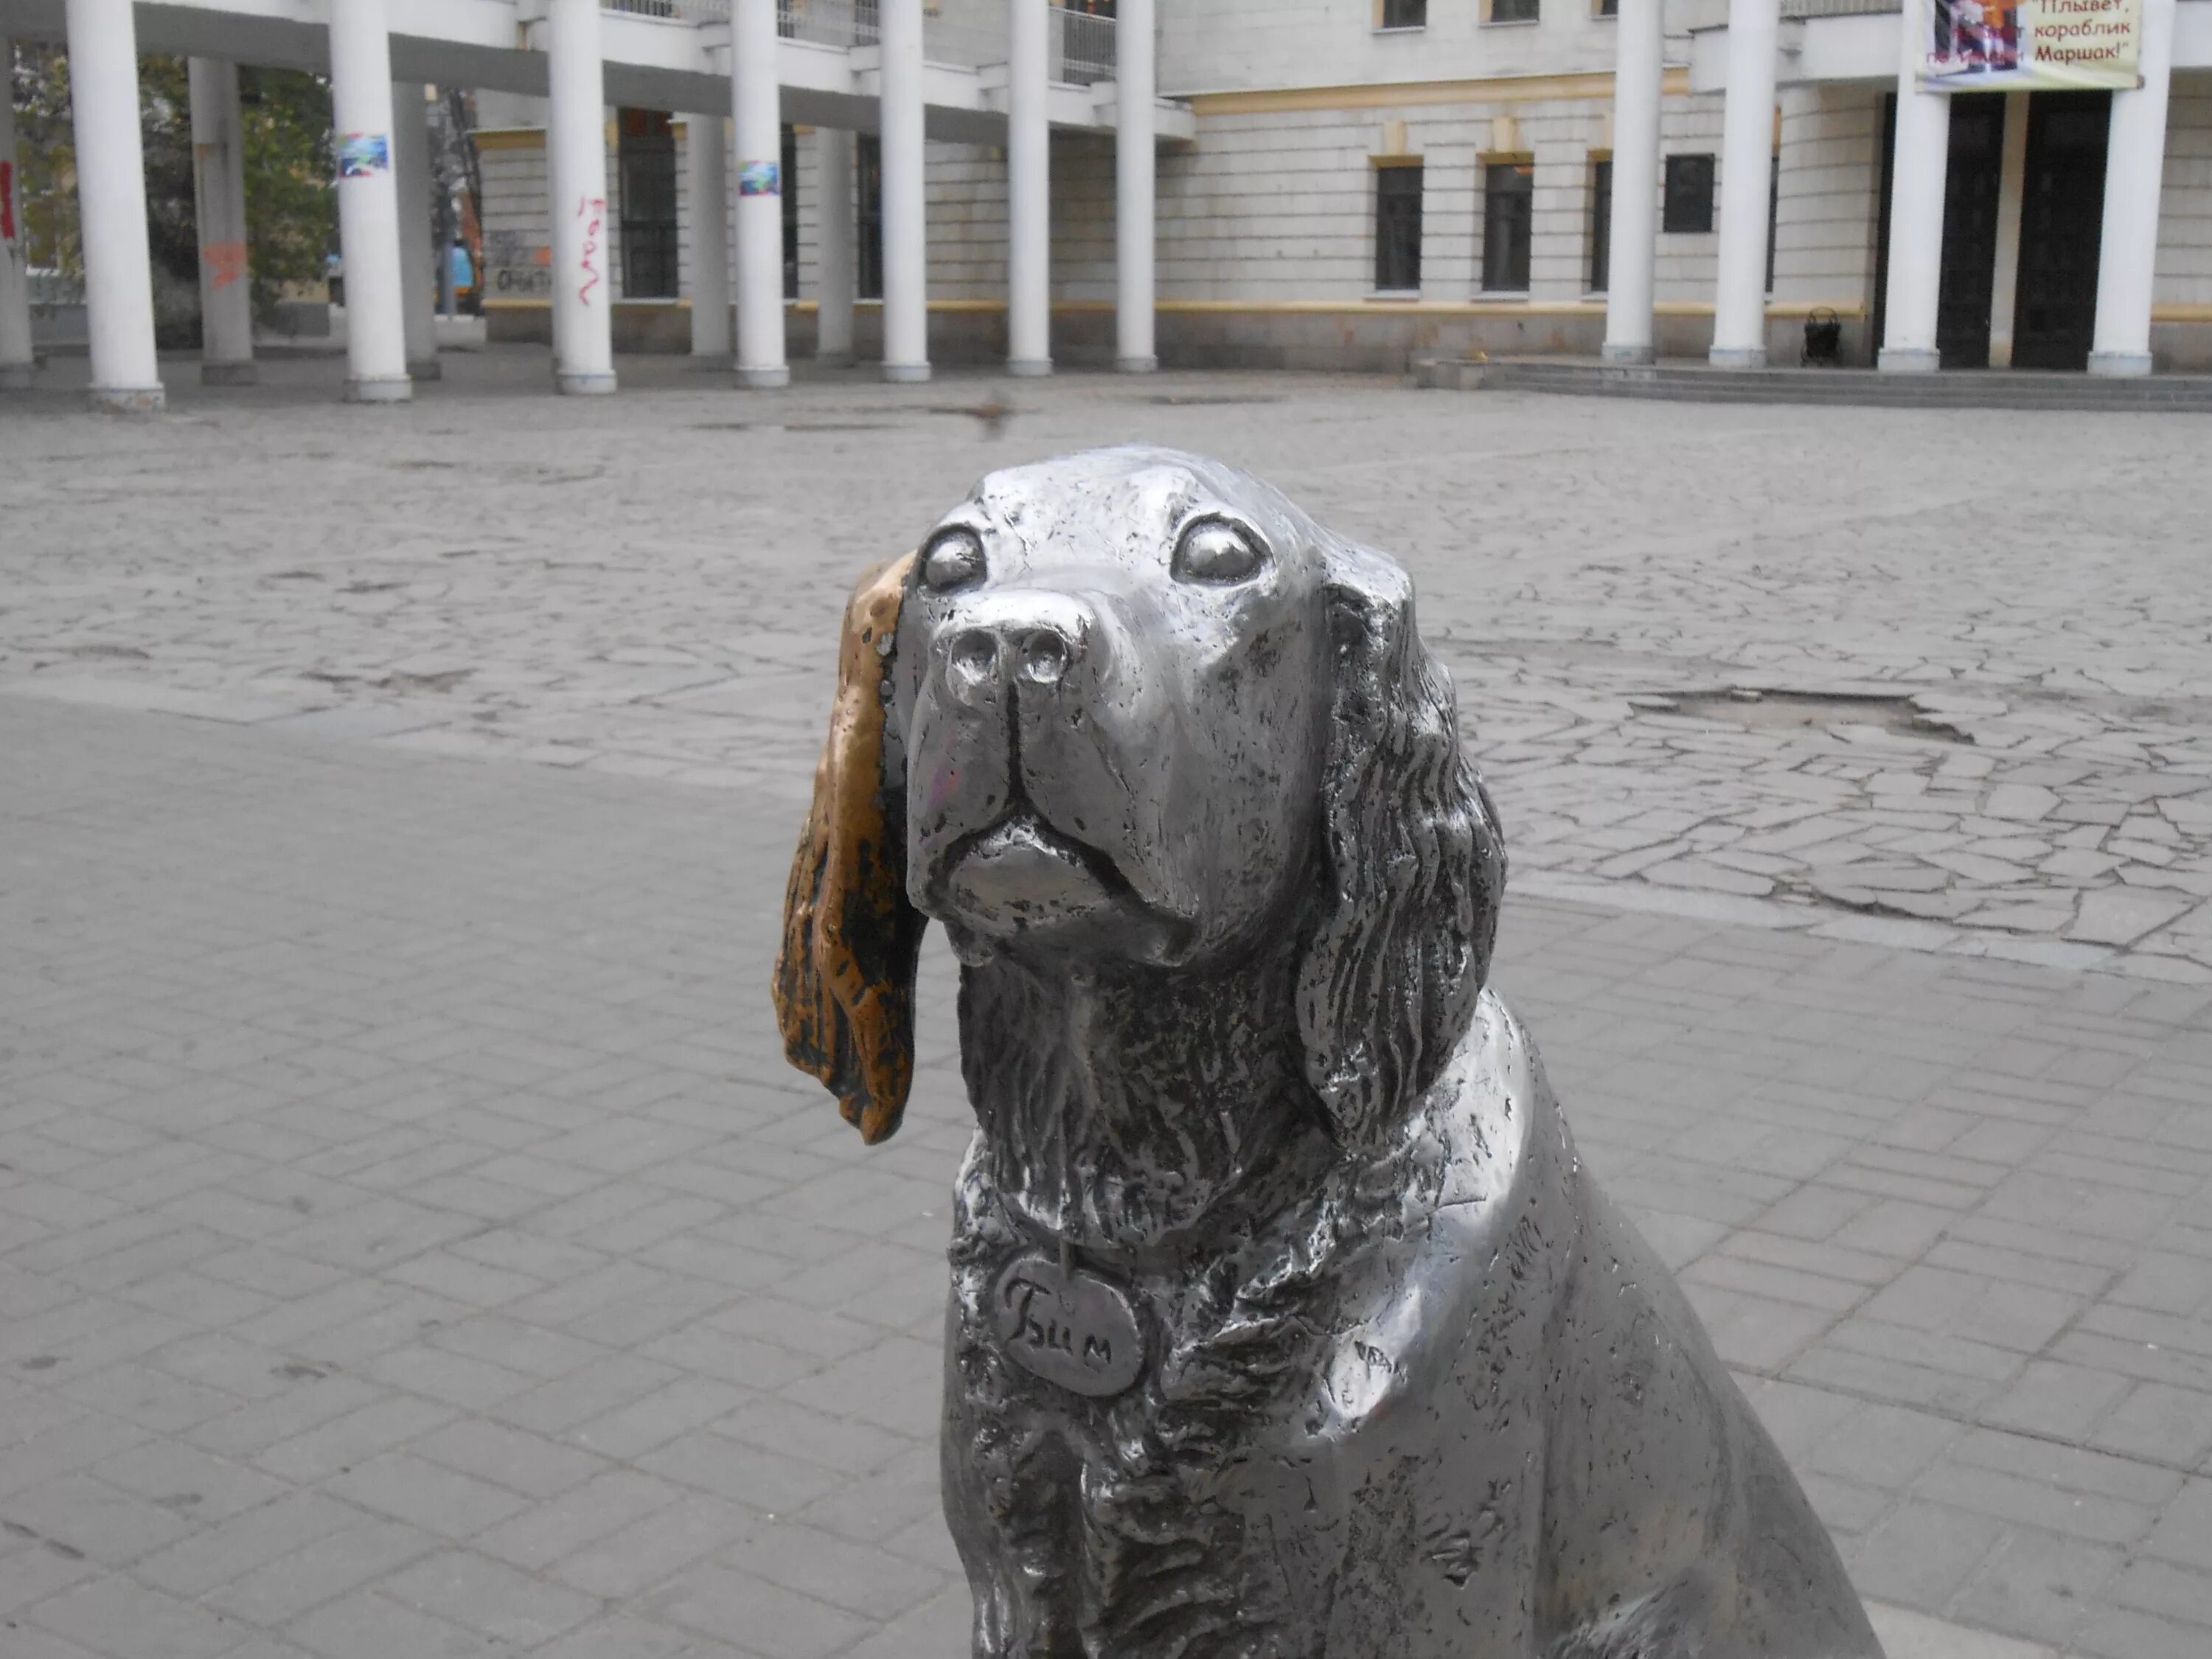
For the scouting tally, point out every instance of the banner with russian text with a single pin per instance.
(1994, 45)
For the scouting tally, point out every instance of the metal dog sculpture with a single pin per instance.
(1285, 1320)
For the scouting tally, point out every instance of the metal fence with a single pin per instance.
(828, 22)
(1082, 47)
(676, 11)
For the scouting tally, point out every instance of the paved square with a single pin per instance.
(411, 1241)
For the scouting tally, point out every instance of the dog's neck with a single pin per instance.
(1124, 1108)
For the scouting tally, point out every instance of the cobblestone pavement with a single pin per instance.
(1980, 647)
(411, 1245)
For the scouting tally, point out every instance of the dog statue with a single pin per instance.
(1285, 1323)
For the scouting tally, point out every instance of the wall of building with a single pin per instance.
(1215, 46)
(1266, 219)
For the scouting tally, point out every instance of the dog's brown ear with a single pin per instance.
(844, 976)
(1415, 860)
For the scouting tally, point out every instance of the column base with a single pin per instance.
(1908, 359)
(425, 368)
(583, 386)
(1737, 357)
(1634, 357)
(764, 380)
(834, 359)
(131, 399)
(1136, 365)
(1028, 368)
(18, 377)
(2119, 365)
(381, 391)
(906, 373)
(247, 373)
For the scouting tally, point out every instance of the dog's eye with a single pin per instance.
(1216, 550)
(953, 559)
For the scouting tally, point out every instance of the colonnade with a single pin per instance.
(384, 187)
(2134, 160)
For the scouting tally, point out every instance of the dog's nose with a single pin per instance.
(1006, 641)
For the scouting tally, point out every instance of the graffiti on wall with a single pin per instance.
(592, 210)
(515, 266)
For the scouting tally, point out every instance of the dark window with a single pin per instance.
(1398, 228)
(645, 156)
(789, 165)
(868, 249)
(1773, 215)
(1608, 8)
(1601, 230)
(1689, 208)
(1513, 11)
(1508, 194)
(1404, 14)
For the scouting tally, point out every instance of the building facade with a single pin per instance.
(1330, 184)
(1368, 181)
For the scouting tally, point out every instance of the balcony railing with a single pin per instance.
(1082, 47)
(675, 11)
(828, 22)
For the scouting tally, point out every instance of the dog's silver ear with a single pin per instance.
(1415, 862)
(844, 976)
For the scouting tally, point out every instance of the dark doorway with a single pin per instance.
(1970, 227)
(645, 158)
(1971, 186)
(2062, 211)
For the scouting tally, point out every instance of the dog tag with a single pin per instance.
(1068, 1327)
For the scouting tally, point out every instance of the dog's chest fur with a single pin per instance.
(1114, 1505)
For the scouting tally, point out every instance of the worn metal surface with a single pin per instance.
(1284, 1320)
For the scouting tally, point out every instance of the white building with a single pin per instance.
(1321, 183)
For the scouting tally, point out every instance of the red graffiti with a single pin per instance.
(593, 208)
(226, 262)
(7, 201)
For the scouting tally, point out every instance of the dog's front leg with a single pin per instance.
(1009, 1485)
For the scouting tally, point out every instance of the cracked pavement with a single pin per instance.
(1983, 645)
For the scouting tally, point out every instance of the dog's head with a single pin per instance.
(1139, 706)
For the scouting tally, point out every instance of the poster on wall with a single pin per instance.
(1997, 45)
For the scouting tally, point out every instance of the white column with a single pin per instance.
(18, 363)
(1746, 170)
(1922, 154)
(707, 157)
(1029, 188)
(576, 187)
(2012, 190)
(1134, 187)
(2135, 167)
(906, 233)
(219, 200)
(369, 204)
(757, 99)
(110, 195)
(1632, 237)
(418, 262)
(837, 250)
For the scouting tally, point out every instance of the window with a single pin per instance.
(1608, 8)
(1511, 11)
(868, 249)
(1508, 194)
(1404, 14)
(789, 165)
(1773, 215)
(645, 160)
(1398, 228)
(1689, 204)
(1600, 226)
